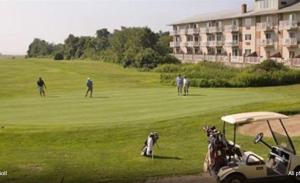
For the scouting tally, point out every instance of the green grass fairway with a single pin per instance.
(99, 139)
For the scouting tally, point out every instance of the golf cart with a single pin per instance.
(240, 166)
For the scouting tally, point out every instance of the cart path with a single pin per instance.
(292, 125)
(183, 179)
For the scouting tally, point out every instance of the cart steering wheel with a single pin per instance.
(258, 138)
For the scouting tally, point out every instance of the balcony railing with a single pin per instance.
(220, 43)
(174, 33)
(232, 43)
(232, 28)
(204, 30)
(174, 44)
(265, 26)
(183, 44)
(226, 59)
(183, 31)
(266, 43)
(211, 43)
(288, 25)
(215, 29)
(204, 44)
(193, 43)
(193, 31)
(291, 42)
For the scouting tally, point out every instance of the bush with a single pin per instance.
(58, 56)
(268, 73)
(270, 65)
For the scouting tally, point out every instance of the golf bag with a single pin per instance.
(216, 155)
(147, 149)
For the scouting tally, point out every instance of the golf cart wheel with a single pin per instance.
(235, 178)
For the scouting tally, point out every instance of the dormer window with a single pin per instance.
(266, 4)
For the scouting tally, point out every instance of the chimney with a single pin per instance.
(244, 8)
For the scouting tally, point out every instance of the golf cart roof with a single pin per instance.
(252, 117)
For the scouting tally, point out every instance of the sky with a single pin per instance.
(53, 20)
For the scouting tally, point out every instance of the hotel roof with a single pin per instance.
(222, 15)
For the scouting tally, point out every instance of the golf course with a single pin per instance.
(66, 137)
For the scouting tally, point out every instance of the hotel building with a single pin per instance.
(270, 30)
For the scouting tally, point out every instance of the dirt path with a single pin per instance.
(183, 179)
(292, 125)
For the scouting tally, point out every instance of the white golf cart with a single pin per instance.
(248, 166)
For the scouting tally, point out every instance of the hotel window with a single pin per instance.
(189, 38)
(219, 24)
(196, 38)
(292, 54)
(235, 22)
(235, 52)
(189, 50)
(210, 38)
(269, 19)
(247, 37)
(235, 37)
(268, 36)
(197, 50)
(210, 51)
(247, 52)
(248, 23)
(219, 51)
(292, 17)
(219, 37)
(292, 35)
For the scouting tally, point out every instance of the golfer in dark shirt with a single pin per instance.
(90, 86)
(41, 86)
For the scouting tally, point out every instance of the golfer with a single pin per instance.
(179, 83)
(186, 85)
(90, 86)
(41, 86)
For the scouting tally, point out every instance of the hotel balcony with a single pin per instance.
(183, 44)
(193, 31)
(174, 33)
(211, 43)
(204, 44)
(174, 44)
(215, 29)
(232, 28)
(192, 44)
(266, 43)
(291, 42)
(288, 25)
(232, 43)
(220, 43)
(183, 31)
(204, 30)
(265, 26)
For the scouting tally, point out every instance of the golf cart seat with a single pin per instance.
(251, 158)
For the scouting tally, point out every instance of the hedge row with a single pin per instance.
(268, 73)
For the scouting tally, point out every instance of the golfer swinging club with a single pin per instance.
(41, 86)
(89, 85)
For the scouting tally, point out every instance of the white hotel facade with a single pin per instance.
(271, 30)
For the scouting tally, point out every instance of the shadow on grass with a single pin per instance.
(290, 112)
(103, 97)
(196, 95)
(166, 157)
(52, 96)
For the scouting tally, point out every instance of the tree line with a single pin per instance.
(131, 47)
